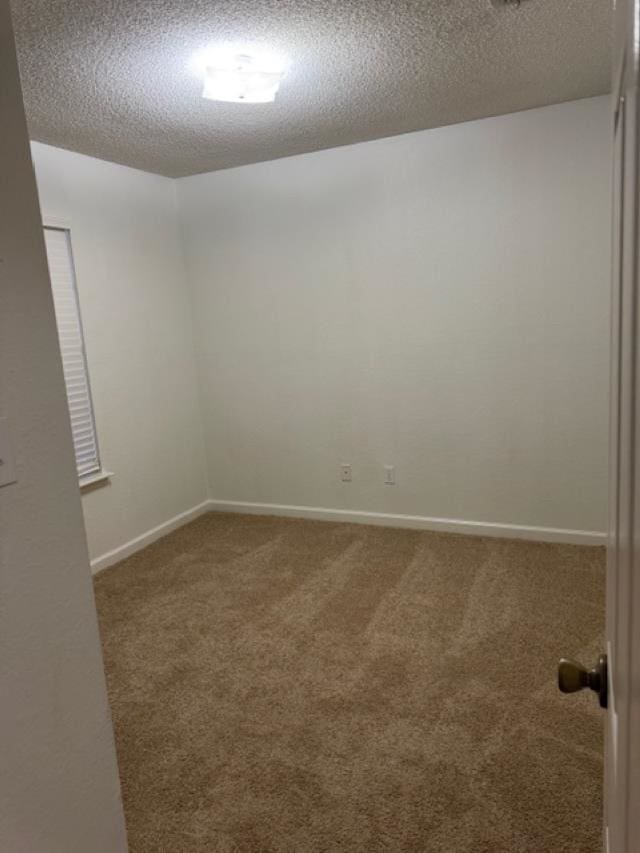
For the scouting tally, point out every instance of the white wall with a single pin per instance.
(139, 339)
(59, 789)
(437, 301)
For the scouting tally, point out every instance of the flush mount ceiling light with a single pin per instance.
(240, 75)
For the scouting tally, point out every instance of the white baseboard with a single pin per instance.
(414, 522)
(417, 522)
(147, 538)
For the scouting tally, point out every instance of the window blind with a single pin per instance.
(74, 362)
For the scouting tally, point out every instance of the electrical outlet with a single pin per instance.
(389, 475)
(345, 473)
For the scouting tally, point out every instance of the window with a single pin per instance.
(74, 362)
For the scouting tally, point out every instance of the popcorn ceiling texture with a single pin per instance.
(111, 79)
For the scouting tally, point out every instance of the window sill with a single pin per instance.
(92, 481)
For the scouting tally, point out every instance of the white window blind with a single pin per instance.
(74, 362)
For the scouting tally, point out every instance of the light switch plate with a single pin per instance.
(7, 459)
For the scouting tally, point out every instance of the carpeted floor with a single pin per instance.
(283, 685)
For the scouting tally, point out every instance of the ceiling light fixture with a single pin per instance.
(240, 75)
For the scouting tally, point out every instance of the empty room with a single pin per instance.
(317, 428)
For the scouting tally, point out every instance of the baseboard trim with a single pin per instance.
(417, 522)
(111, 557)
(382, 519)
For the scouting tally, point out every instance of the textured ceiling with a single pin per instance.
(111, 78)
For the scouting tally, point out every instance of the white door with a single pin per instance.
(617, 677)
(622, 776)
(59, 789)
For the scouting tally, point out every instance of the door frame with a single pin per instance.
(622, 752)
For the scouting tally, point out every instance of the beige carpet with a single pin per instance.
(282, 685)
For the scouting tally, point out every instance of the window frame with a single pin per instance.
(100, 475)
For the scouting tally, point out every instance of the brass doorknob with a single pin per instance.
(573, 676)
